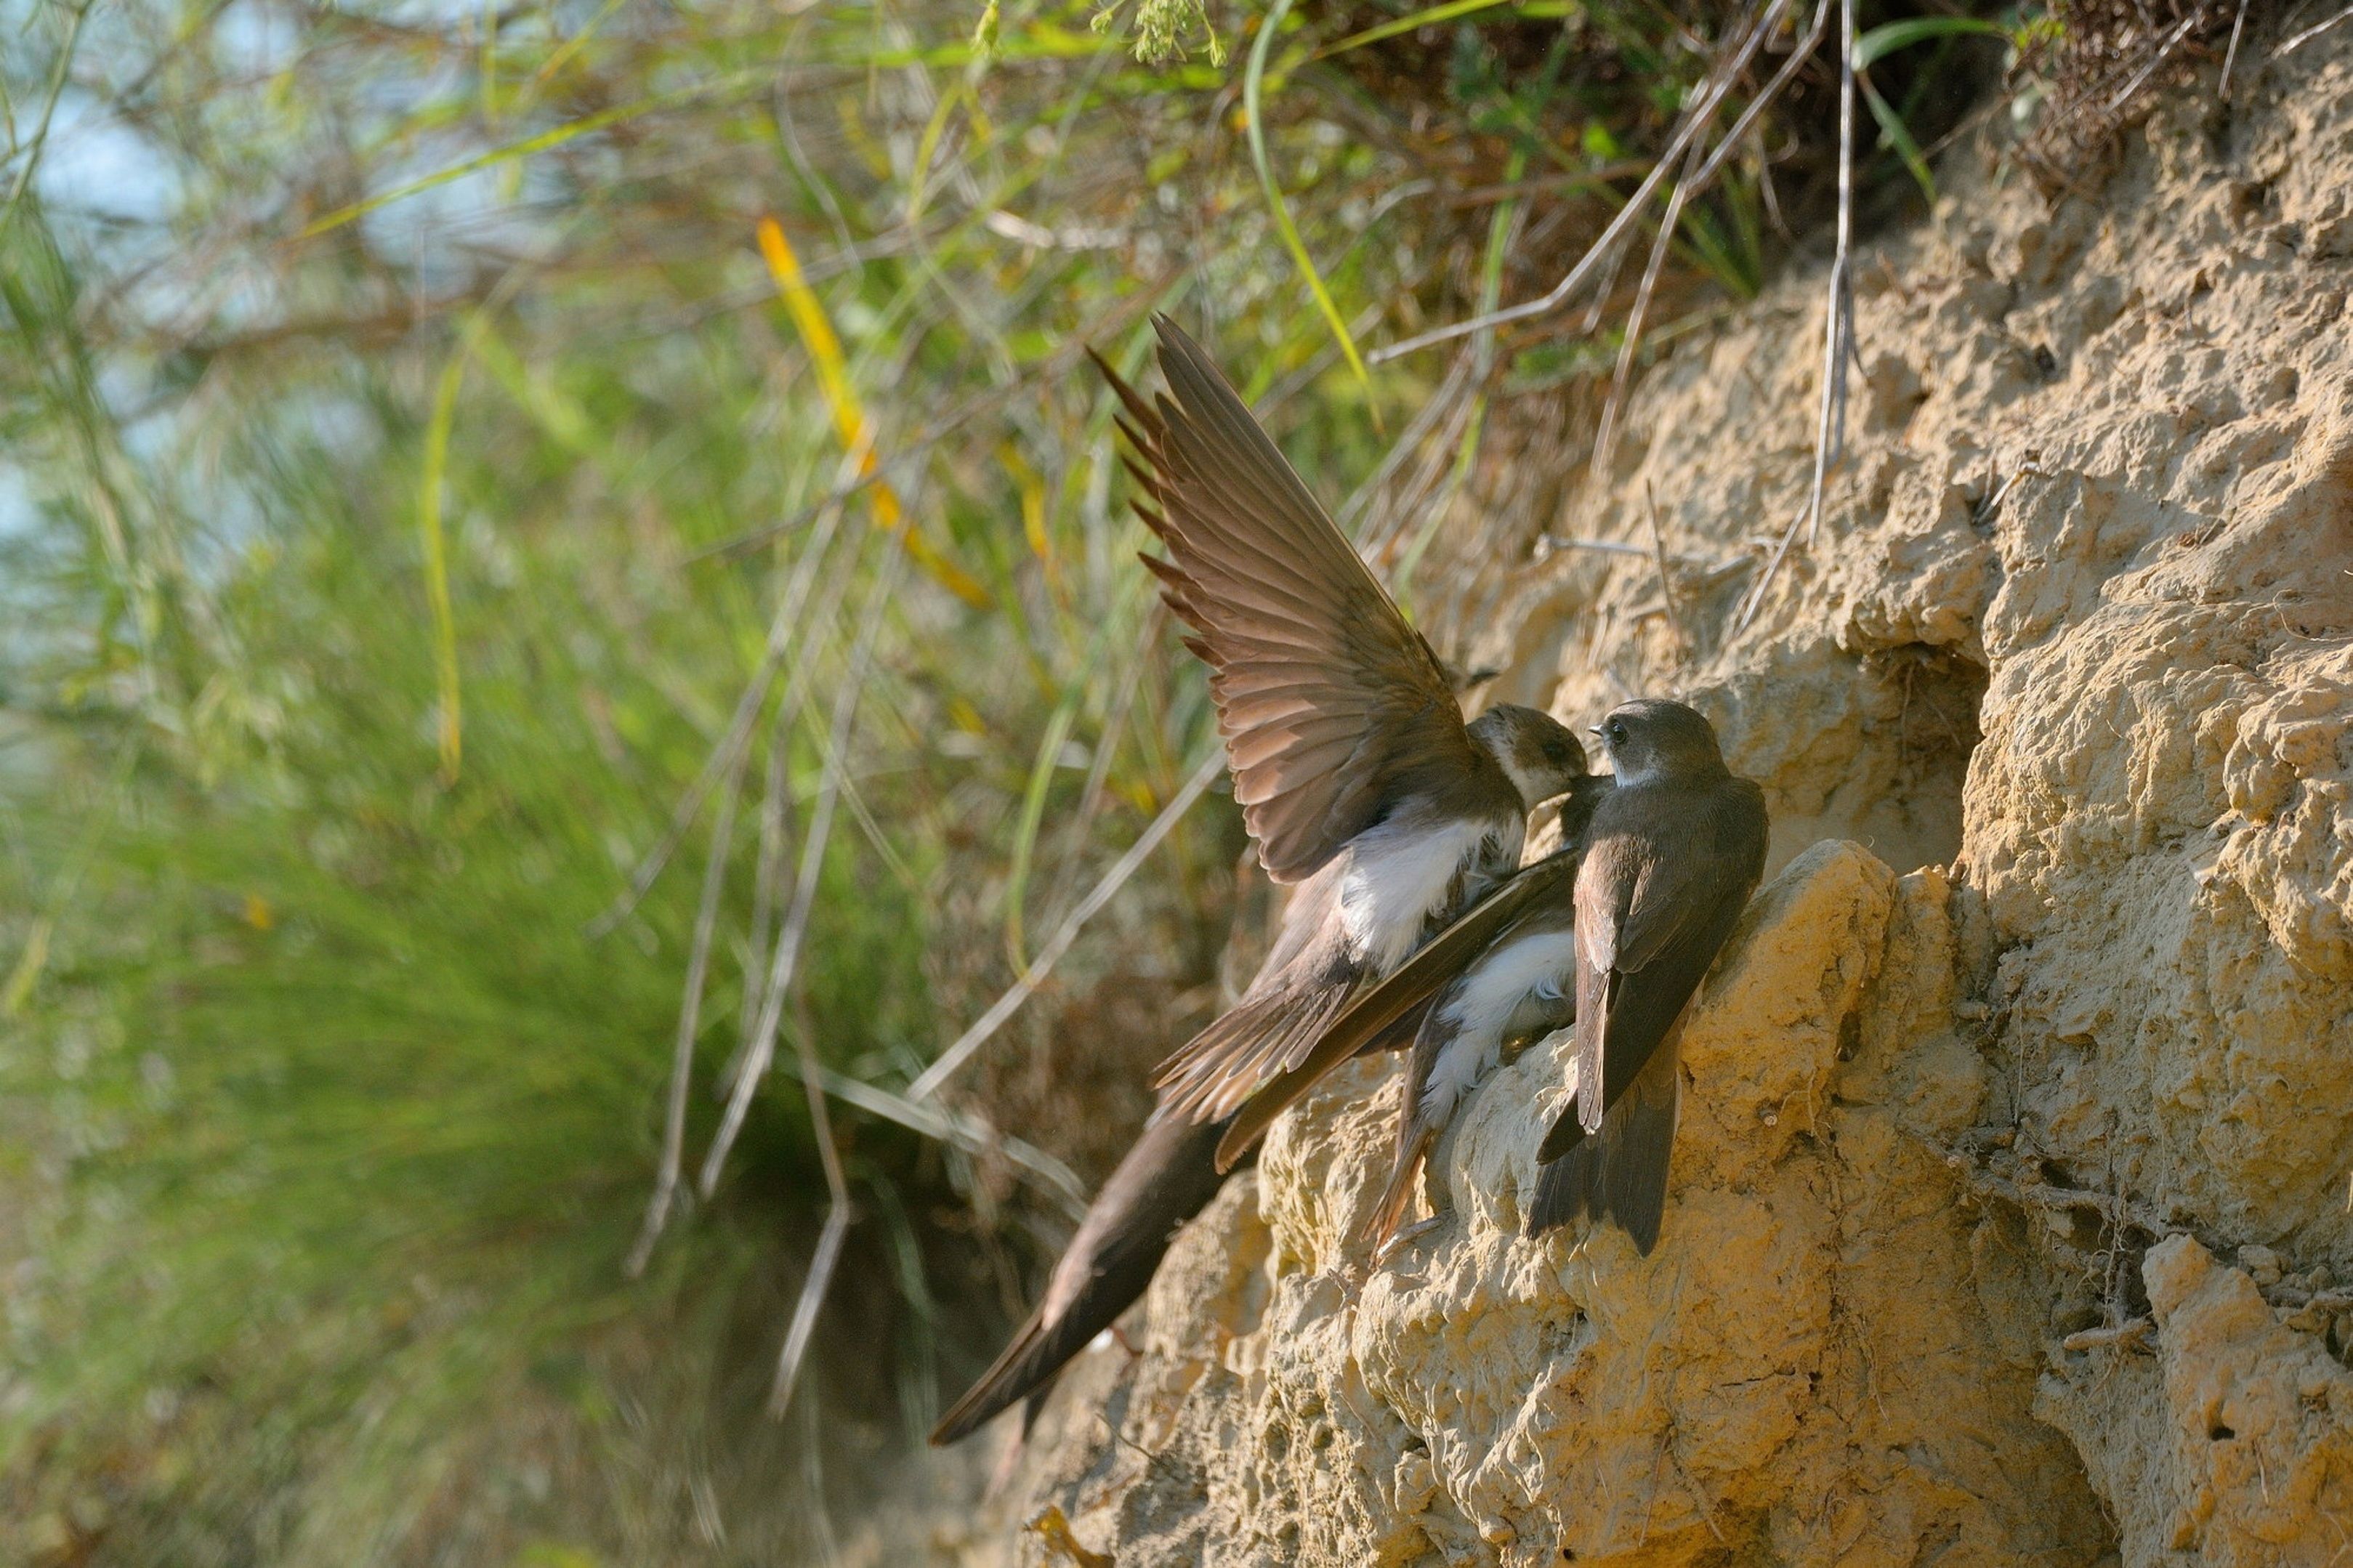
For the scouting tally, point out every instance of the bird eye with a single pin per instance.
(1616, 733)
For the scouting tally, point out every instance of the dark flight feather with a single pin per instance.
(1279, 602)
(1620, 1173)
(1167, 1179)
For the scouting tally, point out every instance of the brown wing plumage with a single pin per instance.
(1331, 705)
(1211, 1075)
(1415, 1133)
(1375, 1009)
(1620, 1173)
(1164, 1181)
(1655, 901)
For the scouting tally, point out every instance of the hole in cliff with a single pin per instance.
(1926, 720)
(2220, 1434)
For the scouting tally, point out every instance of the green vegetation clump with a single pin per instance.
(530, 534)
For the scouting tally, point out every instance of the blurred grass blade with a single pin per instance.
(555, 136)
(784, 963)
(1500, 226)
(564, 420)
(30, 961)
(1886, 40)
(927, 148)
(1036, 41)
(1033, 814)
(1898, 136)
(449, 730)
(848, 416)
(1429, 18)
(562, 54)
(1254, 108)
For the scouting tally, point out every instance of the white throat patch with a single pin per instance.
(1628, 776)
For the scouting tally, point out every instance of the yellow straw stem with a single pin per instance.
(848, 415)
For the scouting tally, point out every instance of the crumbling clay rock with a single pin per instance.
(2009, 1220)
(1796, 1371)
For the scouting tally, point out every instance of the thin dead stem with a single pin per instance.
(690, 1017)
(804, 1310)
(1838, 328)
(837, 1223)
(1693, 121)
(2133, 84)
(961, 1129)
(1837, 332)
(813, 845)
(988, 1023)
(1666, 582)
(1410, 440)
(1107, 742)
(2309, 34)
(2230, 56)
(1605, 441)
(767, 883)
(725, 756)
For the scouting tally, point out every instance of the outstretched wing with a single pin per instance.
(1330, 704)
(1209, 1076)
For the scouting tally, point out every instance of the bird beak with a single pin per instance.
(1594, 730)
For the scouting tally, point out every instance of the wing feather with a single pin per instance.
(1374, 1009)
(1167, 1179)
(1278, 600)
(1705, 867)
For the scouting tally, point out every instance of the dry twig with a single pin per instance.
(2132, 1335)
(813, 845)
(1694, 119)
(988, 1023)
(1838, 328)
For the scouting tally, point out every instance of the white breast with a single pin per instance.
(1401, 874)
(1478, 1012)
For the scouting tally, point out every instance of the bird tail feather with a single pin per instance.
(1025, 1368)
(1382, 1224)
(1620, 1173)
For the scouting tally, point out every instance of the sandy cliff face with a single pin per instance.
(2011, 1219)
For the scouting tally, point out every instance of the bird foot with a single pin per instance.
(1405, 1236)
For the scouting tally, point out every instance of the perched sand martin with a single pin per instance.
(1672, 855)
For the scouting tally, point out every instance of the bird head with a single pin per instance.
(1537, 752)
(1651, 738)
